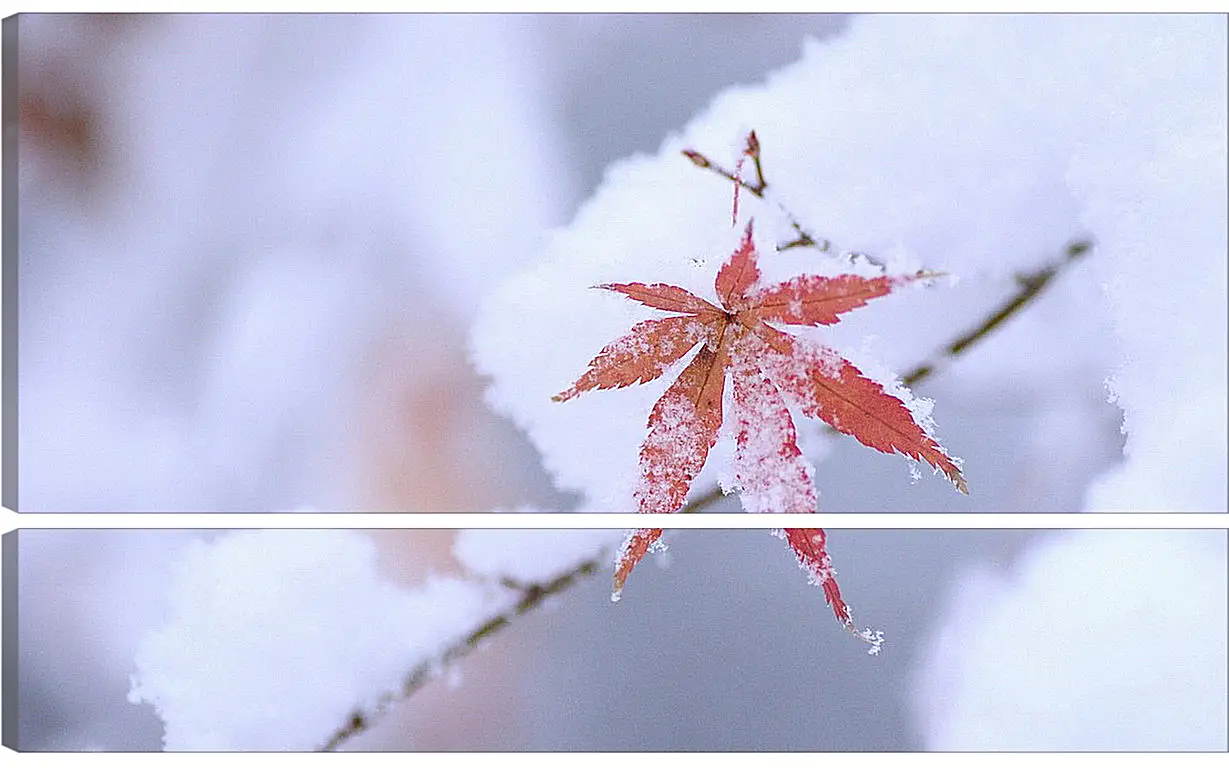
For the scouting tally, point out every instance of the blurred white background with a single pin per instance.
(250, 249)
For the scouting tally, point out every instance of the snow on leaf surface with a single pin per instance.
(637, 544)
(827, 387)
(813, 300)
(642, 355)
(684, 422)
(769, 469)
(660, 296)
(682, 428)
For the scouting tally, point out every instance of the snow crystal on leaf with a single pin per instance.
(915, 474)
(874, 637)
(866, 360)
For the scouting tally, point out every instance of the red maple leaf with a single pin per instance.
(768, 370)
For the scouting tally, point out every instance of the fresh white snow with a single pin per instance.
(1094, 640)
(275, 637)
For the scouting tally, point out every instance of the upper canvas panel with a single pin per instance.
(345, 263)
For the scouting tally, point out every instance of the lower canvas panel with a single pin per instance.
(291, 639)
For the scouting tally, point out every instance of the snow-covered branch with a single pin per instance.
(529, 597)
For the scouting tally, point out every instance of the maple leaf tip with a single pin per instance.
(616, 589)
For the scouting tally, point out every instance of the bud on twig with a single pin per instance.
(697, 158)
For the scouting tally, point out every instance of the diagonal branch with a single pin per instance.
(1031, 284)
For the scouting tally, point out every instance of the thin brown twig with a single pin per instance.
(803, 239)
(753, 149)
(1031, 284)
